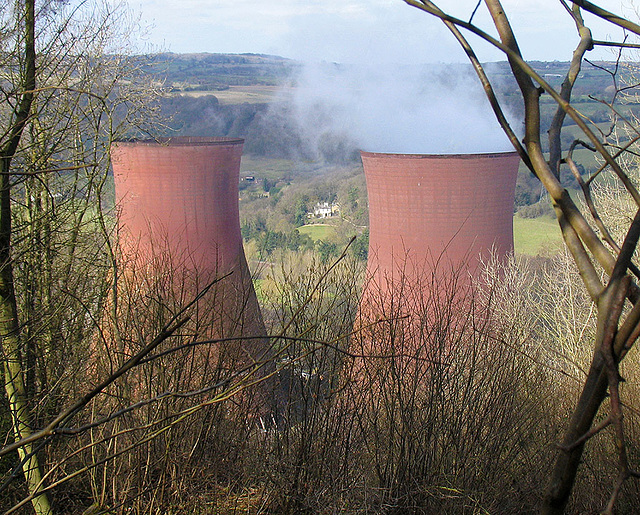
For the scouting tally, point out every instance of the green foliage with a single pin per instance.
(353, 196)
(360, 247)
(269, 241)
(267, 185)
(327, 250)
(300, 216)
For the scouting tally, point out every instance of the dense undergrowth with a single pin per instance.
(422, 402)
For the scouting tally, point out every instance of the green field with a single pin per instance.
(238, 95)
(274, 169)
(323, 232)
(532, 236)
(535, 235)
(243, 94)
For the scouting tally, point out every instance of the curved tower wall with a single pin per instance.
(180, 195)
(179, 228)
(437, 212)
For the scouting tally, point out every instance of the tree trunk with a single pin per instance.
(14, 374)
(13, 369)
(569, 457)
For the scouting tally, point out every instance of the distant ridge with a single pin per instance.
(212, 71)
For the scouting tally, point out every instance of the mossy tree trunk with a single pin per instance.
(14, 371)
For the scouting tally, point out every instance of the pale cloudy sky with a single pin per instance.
(352, 30)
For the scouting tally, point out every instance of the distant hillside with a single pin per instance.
(229, 95)
(215, 72)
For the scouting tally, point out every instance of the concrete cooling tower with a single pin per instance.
(180, 196)
(177, 202)
(437, 213)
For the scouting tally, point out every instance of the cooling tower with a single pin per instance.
(437, 213)
(179, 227)
(180, 196)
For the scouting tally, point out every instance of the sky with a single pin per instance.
(349, 31)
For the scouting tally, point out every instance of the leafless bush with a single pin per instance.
(196, 403)
(444, 398)
(427, 407)
(542, 300)
(446, 402)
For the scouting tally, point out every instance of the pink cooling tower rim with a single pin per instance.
(470, 155)
(185, 141)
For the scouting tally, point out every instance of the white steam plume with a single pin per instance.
(431, 109)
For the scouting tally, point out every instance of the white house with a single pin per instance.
(325, 210)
